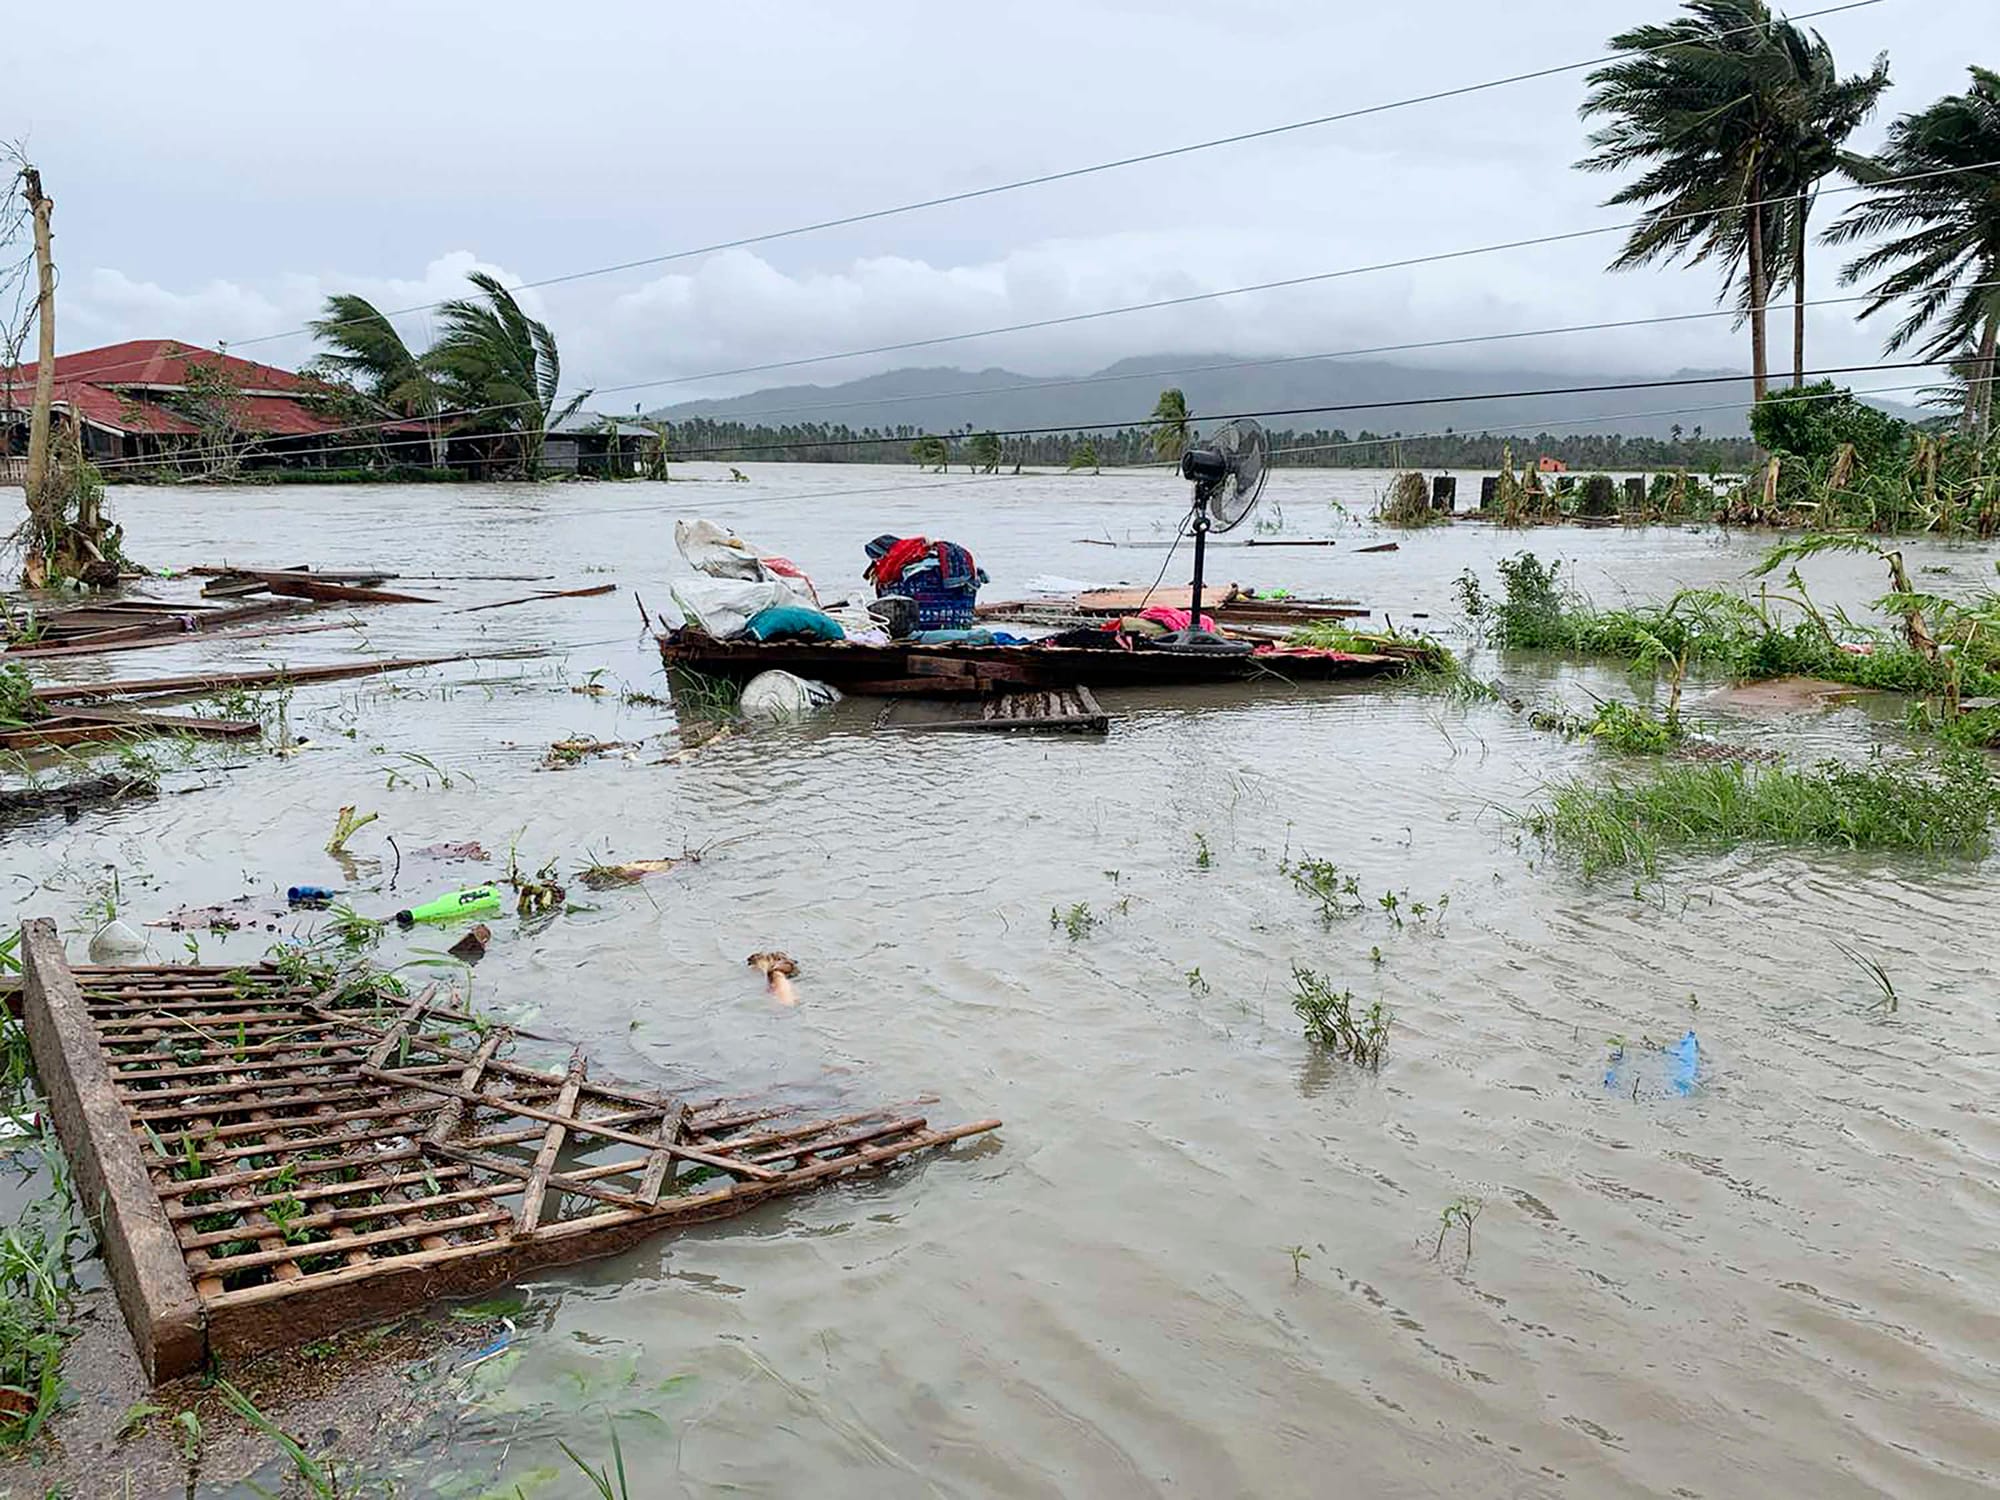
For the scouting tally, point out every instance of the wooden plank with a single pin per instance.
(672, 1124)
(453, 1114)
(581, 1127)
(552, 1139)
(539, 595)
(159, 723)
(92, 646)
(140, 1248)
(336, 593)
(205, 682)
(558, 1180)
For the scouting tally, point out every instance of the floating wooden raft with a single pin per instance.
(273, 1165)
(1071, 710)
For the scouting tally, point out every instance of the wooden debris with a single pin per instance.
(1072, 710)
(565, 753)
(472, 947)
(539, 595)
(130, 622)
(100, 644)
(88, 726)
(602, 877)
(779, 970)
(212, 682)
(472, 851)
(380, 1138)
(339, 593)
(69, 799)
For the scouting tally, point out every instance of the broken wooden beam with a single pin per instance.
(210, 682)
(541, 594)
(111, 1182)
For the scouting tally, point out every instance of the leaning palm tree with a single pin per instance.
(366, 352)
(1169, 425)
(502, 368)
(1937, 190)
(1821, 110)
(1698, 104)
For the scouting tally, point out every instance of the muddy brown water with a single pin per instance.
(1199, 1259)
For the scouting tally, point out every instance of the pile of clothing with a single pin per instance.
(1161, 619)
(895, 562)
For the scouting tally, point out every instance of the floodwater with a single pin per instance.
(1198, 1260)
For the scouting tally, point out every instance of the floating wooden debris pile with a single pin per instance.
(352, 587)
(130, 622)
(272, 1163)
(1073, 710)
(89, 726)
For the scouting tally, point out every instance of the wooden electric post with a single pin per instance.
(41, 207)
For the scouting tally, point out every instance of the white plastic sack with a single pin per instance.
(775, 697)
(721, 553)
(723, 606)
(717, 551)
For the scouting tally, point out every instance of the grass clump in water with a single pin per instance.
(1943, 648)
(1880, 806)
(1331, 1020)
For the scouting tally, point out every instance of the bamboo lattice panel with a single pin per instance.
(320, 1160)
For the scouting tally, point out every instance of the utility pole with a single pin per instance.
(41, 207)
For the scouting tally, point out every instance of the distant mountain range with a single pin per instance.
(941, 399)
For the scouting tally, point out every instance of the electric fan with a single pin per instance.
(1228, 474)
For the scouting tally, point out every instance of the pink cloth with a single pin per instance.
(1174, 619)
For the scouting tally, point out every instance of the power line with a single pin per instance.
(1398, 403)
(1322, 276)
(1675, 382)
(1288, 359)
(1283, 283)
(1044, 179)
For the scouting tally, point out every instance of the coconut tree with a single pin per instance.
(365, 350)
(1169, 425)
(1821, 110)
(1699, 106)
(1936, 190)
(502, 368)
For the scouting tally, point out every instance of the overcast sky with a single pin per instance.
(218, 169)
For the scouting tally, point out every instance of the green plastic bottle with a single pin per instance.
(466, 903)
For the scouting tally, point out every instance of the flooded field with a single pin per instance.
(1199, 1259)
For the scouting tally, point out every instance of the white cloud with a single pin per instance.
(107, 306)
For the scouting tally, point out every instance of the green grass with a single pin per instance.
(1946, 810)
(37, 1252)
(18, 704)
(1777, 633)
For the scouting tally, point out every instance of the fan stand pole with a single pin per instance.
(1200, 552)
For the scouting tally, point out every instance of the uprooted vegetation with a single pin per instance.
(1940, 810)
(1333, 1019)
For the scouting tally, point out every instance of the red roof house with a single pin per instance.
(131, 401)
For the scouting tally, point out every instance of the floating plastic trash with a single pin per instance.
(467, 903)
(1670, 1069)
(114, 942)
(309, 895)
